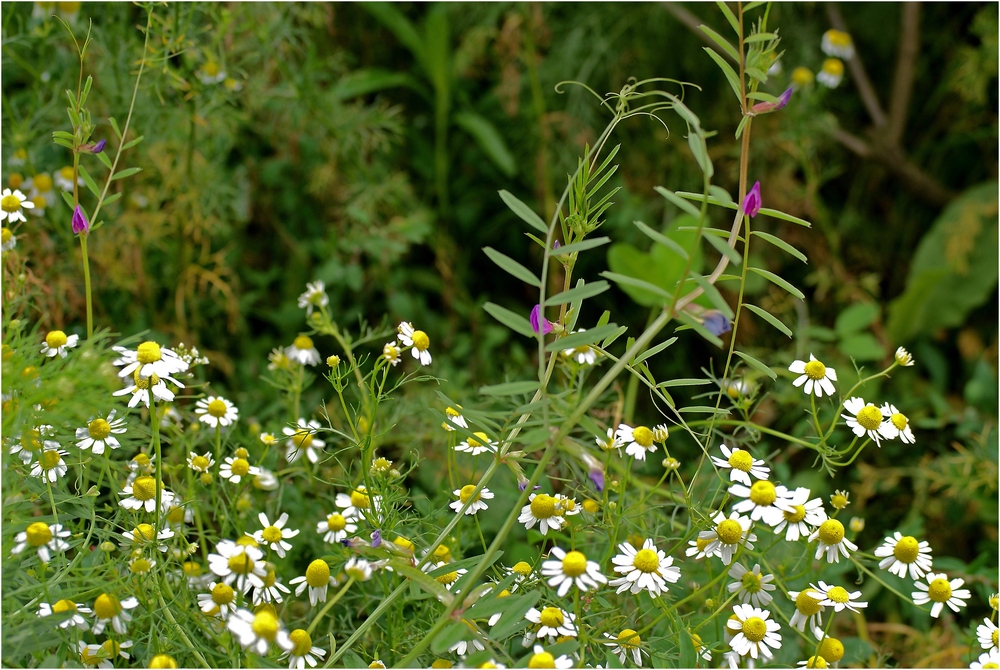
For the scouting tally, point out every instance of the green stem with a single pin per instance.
(330, 603)
(86, 284)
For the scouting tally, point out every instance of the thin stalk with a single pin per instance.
(330, 603)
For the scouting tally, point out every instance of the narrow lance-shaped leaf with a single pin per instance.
(511, 266)
(524, 212)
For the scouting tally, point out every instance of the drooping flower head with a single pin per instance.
(539, 323)
(752, 201)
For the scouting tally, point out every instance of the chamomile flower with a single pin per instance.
(143, 534)
(238, 564)
(990, 659)
(315, 296)
(867, 419)
(336, 527)
(272, 589)
(417, 340)
(200, 463)
(303, 438)
(317, 579)
(141, 494)
(302, 652)
(699, 547)
(140, 387)
(8, 240)
(32, 441)
(258, 631)
(140, 565)
(149, 358)
(903, 357)
(584, 355)
(900, 554)
(763, 501)
(211, 73)
(609, 443)
(542, 509)
(637, 441)
(453, 417)
(896, 426)
(804, 513)
(988, 634)
(108, 609)
(648, 568)
(832, 73)
(12, 205)
(756, 632)
(356, 501)
(50, 465)
(624, 643)
(566, 569)
(75, 612)
(480, 444)
(235, 468)
(750, 586)
(942, 592)
(391, 353)
(727, 536)
(551, 623)
(63, 178)
(303, 351)
(101, 655)
(57, 342)
(813, 662)
(832, 541)
(220, 600)
(274, 535)
(278, 360)
(465, 494)
(447, 579)
(216, 411)
(43, 538)
(816, 376)
(838, 597)
(100, 433)
(837, 43)
(543, 659)
(741, 464)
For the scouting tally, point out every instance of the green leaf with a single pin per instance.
(773, 213)
(89, 181)
(757, 74)
(720, 194)
(610, 339)
(63, 143)
(578, 293)
(649, 353)
(114, 197)
(510, 388)
(662, 239)
(680, 202)
(722, 246)
(781, 244)
(68, 199)
(734, 81)
(114, 127)
(693, 324)
(524, 212)
(700, 150)
(513, 617)
(756, 364)
(129, 145)
(759, 37)
(856, 318)
(127, 172)
(722, 42)
(770, 318)
(489, 140)
(62, 134)
(438, 52)
(512, 320)
(584, 245)
(862, 347)
(778, 281)
(625, 280)
(663, 266)
(103, 157)
(713, 295)
(582, 338)
(728, 13)
(390, 17)
(683, 382)
(511, 266)
(452, 634)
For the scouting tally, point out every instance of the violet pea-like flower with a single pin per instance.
(539, 323)
(752, 202)
(765, 107)
(80, 224)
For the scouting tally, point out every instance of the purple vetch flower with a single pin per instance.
(752, 203)
(80, 224)
(376, 539)
(716, 323)
(765, 107)
(597, 476)
(539, 323)
(99, 147)
(556, 245)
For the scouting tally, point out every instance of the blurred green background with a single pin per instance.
(364, 145)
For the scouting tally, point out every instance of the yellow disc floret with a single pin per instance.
(940, 590)
(551, 617)
(831, 649)
(542, 660)
(337, 522)
(217, 408)
(646, 560)
(301, 642)
(64, 606)
(754, 629)
(223, 594)
(56, 339)
(265, 625)
(420, 340)
(729, 531)
(643, 436)
(360, 499)
(107, 606)
(543, 506)
(815, 370)
(99, 429)
(240, 466)
(162, 661)
(466, 493)
(318, 574)
(741, 460)
(303, 342)
(838, 594)
(148, 352)
(807, 604)
(629, 638)
(870, 417)
(831, 532)
(907, 549)
(575, 564)
(763, 493)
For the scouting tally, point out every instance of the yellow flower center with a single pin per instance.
(643, 436)
(192, 569)
(143, 532)
(763, 493)
(240, 452)
(265, 625)
(49, 459)
(16, 178)
(839, 500)
(442, 554)
(729, 532)
(447, 578)
(301, 642)
(741, 460)
(990, 665)
(217, 408)
(318, 574)
(359, 499)
(503, 594)
(337, 522)
(64, 606)
(870, 417)
(66, 173)
(5, 235)
(543, 506)
(700, 544)
(815, 370)
(542, 660)
(831, 532)
(751, 582)
(269, 579)
(106, 606)
(838, 38)
(99, 429)
(199, 463)
(272, 534)
(522, 568)
(162, 661)
(629, 638)
(10, 203)
(996, 637)
(551, 617)
(110, 648)
(907, 549)
(31, 441)
(467, 492)
(39, 202)
(42, 182)
(831, 649)
(223, 594)
(796, 516)
(575, 564)
(646, 560)
(56, 339)
(420, 340)
(399, 541)
(141, 460)
(754, 629)
(940, 590)
(591, 506)
(816, 662)
(898, 420)
(302, 342)
(211, 68)
(833, 66)
(240, 467)
(241, 564)
(140, 566)
(144, 488)
(148, 352)
(483, 439)
(806, 604)
(838, 594)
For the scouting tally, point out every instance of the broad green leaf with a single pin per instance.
(720, 194)
(578, 293)
(722, 42)
(577, 247)
(680, 202)
(770, 318)
(524, 212)
(512, 320)
(132, 143)
(510, 388)
(700, 150)
(103, 157)
(778, 281)
(513, 617)
(489, 140)
(753, 362)
(511, 266)
(856, 318)
(663, 266)
(582, 338)
(610, 339)
(781, 244)
(727, 69)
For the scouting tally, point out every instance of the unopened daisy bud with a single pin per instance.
(107, 547)
(268, 438)
(671, 463)
(903, 357)
(205, 478)
(591, 506)
(857, 524)
(79, 221)
(333, 361)
(522, 568)
(840, 499)
(660, 433)
(381, 466)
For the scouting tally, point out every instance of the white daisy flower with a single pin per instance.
(238, 564)
(101, 655)
(140, 565)
(727, 536)
(200, 462)
(465, 493)
(63, 178)
(832, 541)
(57, 342)
(648, 568)
(637, 441)
(11, 204)
(100, 433)
(817, 377)
(216, 411)
(235, 468)
(220, 600)
(336, 527)
(140, 389)
(584, 355)
(75, 614)
(141, 494)
(453, 418)
(806, 513)
(302, 651)
(543, 659)
(837, 43)
(808, 609)
(763, 501)
(867, 419)
(463, 647)
(149, 359)
(566, 569)
(896, 426)
(317, 579)
(698, 548)
(750, 586)
(50, 465)
(838, 597)
(542, 509)
(755, 632)
(832, 73)
(417, 340)
(901, 554)
(303, 351)
(142, 535)
(315, 296)
(551, 623)
(741, 464)
(274, 535)
(391, 353)
(480, 444)
(626, 642)
(257, 632)
(108, 609)
(358, 501)
(272, 589)
(987, 632)
(303, 438)
(609, 443)
(904, 357)
(447, 579)
(39, 188)
(8, 240)
(211, 73)
(990, 659)
(31, 442)
(942, 592)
